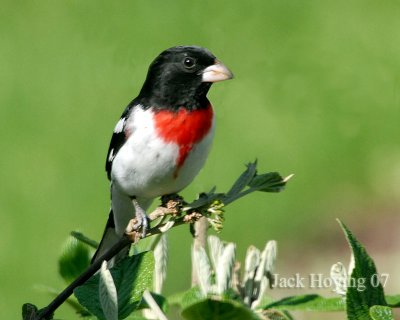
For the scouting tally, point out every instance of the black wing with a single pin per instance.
(118, 138)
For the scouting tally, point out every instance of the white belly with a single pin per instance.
(146, 166)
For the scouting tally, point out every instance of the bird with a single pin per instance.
(162, 138)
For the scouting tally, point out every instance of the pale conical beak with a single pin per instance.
(216, 72)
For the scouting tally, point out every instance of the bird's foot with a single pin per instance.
(141, 222)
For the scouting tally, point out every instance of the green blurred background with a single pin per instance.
(316, 93)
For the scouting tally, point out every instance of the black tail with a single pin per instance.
(108, 240)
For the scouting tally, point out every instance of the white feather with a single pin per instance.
(119, 127)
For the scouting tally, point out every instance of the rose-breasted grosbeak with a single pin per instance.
(163, 137)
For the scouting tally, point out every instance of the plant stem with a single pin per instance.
(125, 241)
(200, 239)
(47, 312)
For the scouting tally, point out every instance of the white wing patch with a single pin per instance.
(119, 127)
(111, 155)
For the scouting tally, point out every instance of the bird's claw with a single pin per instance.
(142, 224)
(141, 220)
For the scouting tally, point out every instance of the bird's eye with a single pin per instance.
(189, 62)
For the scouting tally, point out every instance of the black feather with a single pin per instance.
(117, 140)
(168, 85)
(110, 225)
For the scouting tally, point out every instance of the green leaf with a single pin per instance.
(190, 297)
(203, 200)
(268, 182)
(135, 316)
(74, 260)
(381, 313)
(81, 237)
(278, 315)
(161, 301)
(393, 301)
(108, 293)
(29, 311)
(131, 275)
(176, 298)
(214, 309)
(364, 289)
(247, 183)
(307, 302)
(244, 179)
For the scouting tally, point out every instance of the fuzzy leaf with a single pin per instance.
(131, 275)
(308, 302)
(225, 268)
(74, 260)
(261, 289)
(251, 263)
(203, 269)
(364, 291)
(339, 276)
(216, 247)
(271, 253)
(264, 270)
(221, 310)
(268, 258)
(154, 311)
(108, 293)
(161, 259)
(381, 313)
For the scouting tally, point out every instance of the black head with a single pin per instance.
(181, 77)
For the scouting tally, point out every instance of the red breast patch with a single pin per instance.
(183, 127)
